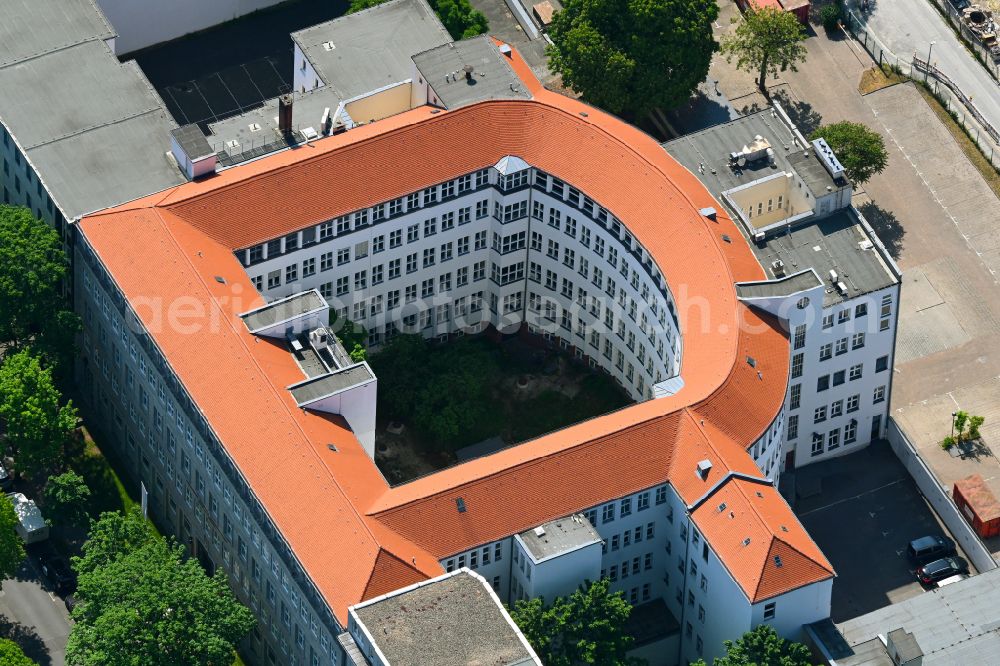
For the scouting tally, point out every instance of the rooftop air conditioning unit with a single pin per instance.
(842, 288)
(539, 531)
(833, 276)
(778, 268)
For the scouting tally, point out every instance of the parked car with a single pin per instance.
(58, 571)
(941, 569)
(929, 548)
(70, 602)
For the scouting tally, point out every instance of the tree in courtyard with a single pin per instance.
(142, 602)
(761, 647)
(11, 547)
(768, 40)
(459, 17)
(11, 654)
(631, 56)
(67, 498)
(585, 628)
(861, 150)
(33, 265)
(37, 424)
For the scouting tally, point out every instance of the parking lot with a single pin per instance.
(862, 510)
(234, 67)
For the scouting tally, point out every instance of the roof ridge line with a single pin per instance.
(520, 465)
(94, 128)
(273, 388)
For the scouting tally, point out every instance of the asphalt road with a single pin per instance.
(909, 26)
(33, 617)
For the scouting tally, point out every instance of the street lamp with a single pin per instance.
(953, 414)
(928, 70)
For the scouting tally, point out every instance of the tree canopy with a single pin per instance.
(458, 16)
(67, 498)
(861, 150)
(37, 424)
(11, 654)
(768, 40)
(11, 547)
(631, 56)
(585, 628)
(141, 602)
(762, 646)
(32, 268)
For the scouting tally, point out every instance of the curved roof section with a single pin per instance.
(168, 248)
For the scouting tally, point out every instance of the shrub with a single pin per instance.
(974, 423)
(830, 16)
(947, 442)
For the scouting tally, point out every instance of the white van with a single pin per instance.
(30, 526)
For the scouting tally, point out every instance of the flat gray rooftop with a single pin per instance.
(559, 536)
(445, 622)
(319, 387)
(786, 286)
(955, 624)
(833, 242)
(92, 127)
(710, 149)
(307, 111)
(33, 27)
(371, 48)
(492, 77)
(283, 310)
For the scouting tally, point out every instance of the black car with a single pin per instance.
(57, 570)
(929, 548)
(941, 569)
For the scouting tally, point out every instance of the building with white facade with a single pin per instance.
(206, 348)
(829, 278)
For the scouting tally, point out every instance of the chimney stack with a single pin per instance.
(285, 114)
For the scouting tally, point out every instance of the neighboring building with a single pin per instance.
(455, 618)
(80, 131)
(954, 624)
(142, 23)
(829, 278)
(239, 417)
(342, 53)
(800, 8)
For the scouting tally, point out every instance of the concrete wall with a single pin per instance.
(304, 77)
(794, 609)
(939, 499)
(382, 104)
(142, 23)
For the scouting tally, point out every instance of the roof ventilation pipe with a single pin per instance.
(285, 114)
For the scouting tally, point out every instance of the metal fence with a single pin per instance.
(983, 134)
(971, 40)
(939, 499)
(879, 52)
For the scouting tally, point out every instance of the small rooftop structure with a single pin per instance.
(265, 319)
(372, 48)
(543, 12)
(469, 71)
(559, 536)
(955, 624)
(978, 504)
(452, 619)
(783, 285)
(317, 388)
(93, 127)
(837, 243)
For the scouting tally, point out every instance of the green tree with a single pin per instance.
(585, 628)
(32, 268)
(37, 424)
(861, 150)
(142, 602)
(631, 56)
(67, 498)
(458, 16)
(12, 655)
(762, 647)
(11, 547)
(766, 41)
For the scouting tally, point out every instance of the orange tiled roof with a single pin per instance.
(168, 249)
